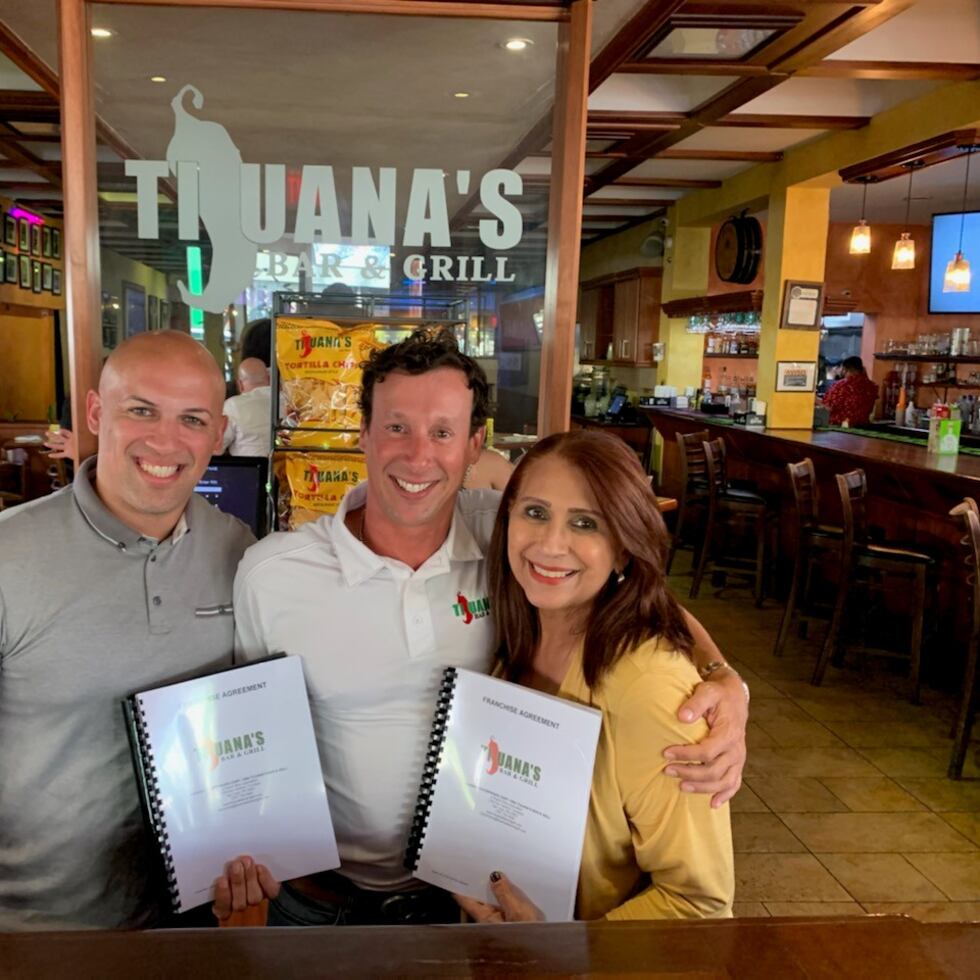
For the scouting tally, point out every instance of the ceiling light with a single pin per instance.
(957, 278)
(461, 95)
(861, 234)
(157, 78)
(518, 44)
(904, 255)
(102, 32)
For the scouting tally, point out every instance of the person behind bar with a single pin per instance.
(582, 611)
(118, 582)
(378, 600)
(852, 399)
(248, 431)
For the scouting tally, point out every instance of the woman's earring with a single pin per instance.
(620, 578)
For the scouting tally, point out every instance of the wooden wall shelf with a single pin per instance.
(742, 301)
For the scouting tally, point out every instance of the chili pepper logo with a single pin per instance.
(493, 752)
(210, 751)
(313, 476)
(469, 609)
(307, 342)
(465, 606)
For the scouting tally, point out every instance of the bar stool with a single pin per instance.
(970, 518)
(727, 507)
(812, 541)
(694, 484)
(861, 560)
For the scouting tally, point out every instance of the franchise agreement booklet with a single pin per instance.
(506, 788)
(228, 765)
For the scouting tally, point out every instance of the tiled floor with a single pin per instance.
(846, 807)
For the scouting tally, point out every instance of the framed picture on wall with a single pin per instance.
(36, 276)
(25, 272)
(152, 313)
(10, 230)
(46, 279)
(3, 263)
(796, 375)
(134, 309)
(10, 267)
(35, 239)
(56, 281)
(56, 243)
(46, 241)
(802, 305)
(24, 235)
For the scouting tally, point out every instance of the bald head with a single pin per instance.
(252, 373)
(168, 351)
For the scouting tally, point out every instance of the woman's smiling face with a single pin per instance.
(558, 544)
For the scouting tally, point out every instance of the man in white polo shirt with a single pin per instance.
(378, 601)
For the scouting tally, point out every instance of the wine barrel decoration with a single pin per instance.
(738, 249)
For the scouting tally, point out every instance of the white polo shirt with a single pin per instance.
(375, 637)
(249, 428)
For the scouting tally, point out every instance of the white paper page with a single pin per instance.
(238, 772)
(512, 794)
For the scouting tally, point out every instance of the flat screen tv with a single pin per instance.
(945, 242)
(236, 485)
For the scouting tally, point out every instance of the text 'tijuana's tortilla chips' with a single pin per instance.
(316, 483)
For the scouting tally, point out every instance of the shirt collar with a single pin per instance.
(358, 562)
(105, 523)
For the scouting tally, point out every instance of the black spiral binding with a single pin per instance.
(154, 804)
(430, 772)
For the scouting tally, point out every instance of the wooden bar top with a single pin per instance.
(853, 445)
(872, 946)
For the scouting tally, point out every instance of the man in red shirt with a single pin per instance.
(852, 398)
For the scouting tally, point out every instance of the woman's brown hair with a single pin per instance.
(624, 614)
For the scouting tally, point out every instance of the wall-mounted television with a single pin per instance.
(945, 242)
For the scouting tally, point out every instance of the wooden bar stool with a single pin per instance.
(694, 485)
(970, 519)
(728, 507)
(812, 542)
(861, 562)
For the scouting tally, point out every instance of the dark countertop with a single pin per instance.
(600, 421)
(854, 946)
(858, 447)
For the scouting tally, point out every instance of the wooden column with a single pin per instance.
(82, 275)
(565, 219)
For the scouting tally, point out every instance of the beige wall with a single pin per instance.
(27, 359)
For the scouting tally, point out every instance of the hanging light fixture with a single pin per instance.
(958, 276)
(904, 255)
(861, 233)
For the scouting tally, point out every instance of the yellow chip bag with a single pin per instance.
(317, 483)
(320, 370)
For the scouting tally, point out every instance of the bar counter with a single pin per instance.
(882, 946)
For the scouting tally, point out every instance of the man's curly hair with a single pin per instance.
(424, 351)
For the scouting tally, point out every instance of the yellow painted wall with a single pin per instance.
(617, 253)
(117, 269)
(27, 359)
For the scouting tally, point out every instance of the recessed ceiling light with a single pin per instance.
(157, 78)
(102, 32)
(461, 95)
(518, 44)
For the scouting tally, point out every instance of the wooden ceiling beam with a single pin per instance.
(734, 156)
(894, 70)
(692, 66)
(758, 121)
(648, 21)
(17, 154)
(926, 153)
(627, 202)
(683, 182)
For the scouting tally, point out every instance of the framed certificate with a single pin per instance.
(35, 239)
(802, 305)
(796, 375)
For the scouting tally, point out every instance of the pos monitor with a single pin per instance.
(237, 485)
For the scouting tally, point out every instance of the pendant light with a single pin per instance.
(861, 233)
(958, 276)
(904, 255)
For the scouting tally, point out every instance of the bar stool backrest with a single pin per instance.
(694, 472)
(969, 517)
(803, 479)
(853, 488)
(714, 457)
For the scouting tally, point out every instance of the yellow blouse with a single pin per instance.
(651, 851)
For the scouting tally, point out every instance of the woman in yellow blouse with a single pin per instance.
(582, 610)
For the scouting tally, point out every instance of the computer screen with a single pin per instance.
(237, 485)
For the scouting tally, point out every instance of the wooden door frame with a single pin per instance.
(82, 266)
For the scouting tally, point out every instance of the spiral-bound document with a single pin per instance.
(505, 788)
(227, 764)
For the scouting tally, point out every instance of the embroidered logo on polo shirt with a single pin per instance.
(470, 609)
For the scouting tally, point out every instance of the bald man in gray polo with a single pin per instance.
(119, 582)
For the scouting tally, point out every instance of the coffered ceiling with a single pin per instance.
(683, 95)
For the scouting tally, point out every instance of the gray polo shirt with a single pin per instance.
(89, 612)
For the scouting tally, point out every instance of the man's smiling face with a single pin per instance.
(419, 445)
(158, 417)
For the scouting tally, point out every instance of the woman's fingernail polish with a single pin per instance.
(495, 876)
